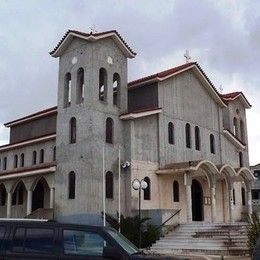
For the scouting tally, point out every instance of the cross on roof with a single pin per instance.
(220, 89)
(187, 56)
(93, 29)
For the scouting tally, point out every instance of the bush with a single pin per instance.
(129, 227)
(253, 231)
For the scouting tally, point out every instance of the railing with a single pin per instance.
(168, 219)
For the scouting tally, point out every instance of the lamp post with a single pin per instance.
(139, 185)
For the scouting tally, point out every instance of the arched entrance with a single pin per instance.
(197, 201)
(39, 194)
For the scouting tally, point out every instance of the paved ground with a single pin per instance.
(204, 257)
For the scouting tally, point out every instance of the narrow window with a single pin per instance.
(116, 89)
(102, 84)
(243, 195)
(176, 194)
(234, 197)
(235, 128)
(188, 137)
(170, 133)
(212, 143)
(109, 130)
(197, 138)
(5, 163)
(73, 129)
(241, 159)
(109, 185)
(34, 158)
(54, 153)
(72, 179)
(22, 160)
(16, 161)
(14, 195)
(80, 85)
(41, 156)
(242, 131)
(67, 90)
(147, 191)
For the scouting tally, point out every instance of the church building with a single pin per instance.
(172, 129)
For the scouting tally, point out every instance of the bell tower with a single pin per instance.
(92, 93)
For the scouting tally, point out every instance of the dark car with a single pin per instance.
(35, 239)
(256, 253)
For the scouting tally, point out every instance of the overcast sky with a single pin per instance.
(223, 36)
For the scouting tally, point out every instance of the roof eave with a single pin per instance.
(69, 37)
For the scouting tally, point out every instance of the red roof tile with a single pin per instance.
(92, 34)
(233, 95)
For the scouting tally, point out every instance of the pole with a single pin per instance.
(119, 189)
(140, 216)
(104, 187)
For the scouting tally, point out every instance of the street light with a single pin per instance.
(139, 185)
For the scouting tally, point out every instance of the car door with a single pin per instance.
(82, 243)
(29, 242)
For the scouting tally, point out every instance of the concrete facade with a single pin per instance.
(210, 174)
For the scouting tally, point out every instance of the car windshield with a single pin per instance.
(123, 242)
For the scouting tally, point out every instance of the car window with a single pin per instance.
(80, 242)
(33, 240)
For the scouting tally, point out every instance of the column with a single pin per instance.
(231, 206)
(9, 203)
(51, 198)
(249, 202)
(213, 204)
(189, 203)
(29, 202)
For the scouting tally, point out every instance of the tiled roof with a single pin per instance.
(161, 74)
(233, 95)
(48, 111)
(94, 35)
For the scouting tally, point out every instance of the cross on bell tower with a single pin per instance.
(187, 56)
(93, 29)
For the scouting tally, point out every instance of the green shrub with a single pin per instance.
(253, 230)
(129, 227)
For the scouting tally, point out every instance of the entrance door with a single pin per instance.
(197, 201)
(38, 196)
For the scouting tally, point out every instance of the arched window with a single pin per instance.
(109, 130)
(234, 197)
(170, 133)
(16, 161)
(67, 90)
(102, 84)
(243, 196)
(22, 160)
(241, 159)
(116, 89)
(3, 195)
(80, 85)
(212, 143)
(41, 156)
(72, 185)
(235, 127)
(197, 138)
(73, 129)
(147, 191)
(242, 131)
(17, 197)
(188, 137)
(109, 185)
(34, 157)
(5, 163)
(54, 153)
(176, 194)
(20, 194)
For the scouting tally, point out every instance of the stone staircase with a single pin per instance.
(204, 238)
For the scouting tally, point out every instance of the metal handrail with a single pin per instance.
(163, 224)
